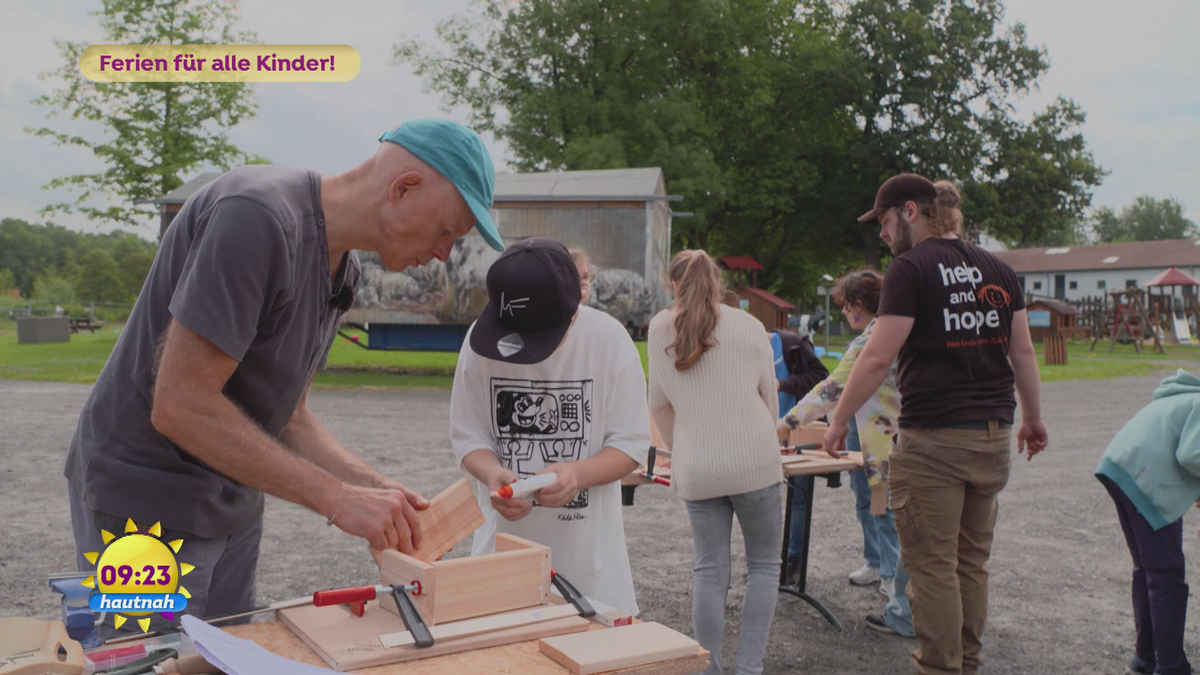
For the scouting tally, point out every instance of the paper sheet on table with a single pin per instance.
(236, 656)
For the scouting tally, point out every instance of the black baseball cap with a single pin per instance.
(898, 190)
(533, 292)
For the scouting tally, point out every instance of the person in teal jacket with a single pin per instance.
(1151, 470)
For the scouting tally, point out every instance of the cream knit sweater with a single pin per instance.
(718, 417)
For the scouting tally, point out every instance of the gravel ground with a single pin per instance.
(1060, 569)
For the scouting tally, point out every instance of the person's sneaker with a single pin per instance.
(864, 575)
(887, 586)
(875, 622)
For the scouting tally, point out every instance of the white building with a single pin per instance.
(1075, 272)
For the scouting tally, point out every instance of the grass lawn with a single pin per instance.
(352, 367)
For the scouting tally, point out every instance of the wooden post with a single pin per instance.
(1055, 347)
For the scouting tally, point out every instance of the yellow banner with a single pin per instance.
(220, 63)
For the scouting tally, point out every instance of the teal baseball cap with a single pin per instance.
(456, 152)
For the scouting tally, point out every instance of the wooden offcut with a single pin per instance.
(623, 647)
(517, 575)
(484, 624)
(451, 517)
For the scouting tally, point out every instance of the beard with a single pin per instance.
(902, 242)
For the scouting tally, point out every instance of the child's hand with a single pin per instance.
(562, 491)
(509, 509)
(783, 430)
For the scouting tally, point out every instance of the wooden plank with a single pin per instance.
(346, 642)
(395, 567)
(623, 647)
(516, 657)
(451, 517)
(483, 624)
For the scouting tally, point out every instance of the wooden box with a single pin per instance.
(517, 575)
(813, 432)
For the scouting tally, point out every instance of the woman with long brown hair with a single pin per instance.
(713, 400)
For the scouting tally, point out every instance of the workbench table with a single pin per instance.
(809, 463)
(519, 657)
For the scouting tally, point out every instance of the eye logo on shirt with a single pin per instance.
(994, 296)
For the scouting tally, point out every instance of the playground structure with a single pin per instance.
(1172, 300)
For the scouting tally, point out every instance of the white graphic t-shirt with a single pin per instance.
(590, 394)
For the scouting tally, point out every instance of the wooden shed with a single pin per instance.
(768, 308)
(1053, 318)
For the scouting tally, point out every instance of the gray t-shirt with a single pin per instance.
(245, 265)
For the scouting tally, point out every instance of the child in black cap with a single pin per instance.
(546, 385)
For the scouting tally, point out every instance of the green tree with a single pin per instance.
(158, 132)
(1146, 219)
(7, 281)
(776, 121)
(100, 278)
(134, 267)
(55, 289)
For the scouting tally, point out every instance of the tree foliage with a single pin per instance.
(156, 132)
(776, 121)
(85, 262)
(1146, 219)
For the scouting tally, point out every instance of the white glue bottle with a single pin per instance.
(525, 486)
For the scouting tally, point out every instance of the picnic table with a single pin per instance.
(83, 323)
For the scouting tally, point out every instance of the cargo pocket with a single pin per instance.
(906, 511)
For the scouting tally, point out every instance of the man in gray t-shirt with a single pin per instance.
(200, 409)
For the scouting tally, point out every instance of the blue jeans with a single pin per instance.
(897, 613)
(801, 486)
(881, 546)
(760, 514)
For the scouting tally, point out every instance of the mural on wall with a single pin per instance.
(455, 292)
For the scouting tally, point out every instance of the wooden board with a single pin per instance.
(347, 642)
(484, 624)
(517, 575)
(516, 657)
(451, 517)
(623, 647)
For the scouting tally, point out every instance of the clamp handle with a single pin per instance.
(572, 594)
(339, 596)
(412, 619)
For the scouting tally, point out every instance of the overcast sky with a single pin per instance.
(1134, 68)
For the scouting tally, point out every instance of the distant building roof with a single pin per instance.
(1059, 306)
(1129, 255)
(624, 185)
(1173, 277)
(180, 194)
(739, 262)
(769, 297)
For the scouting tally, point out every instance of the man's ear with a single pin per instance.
(401, 184)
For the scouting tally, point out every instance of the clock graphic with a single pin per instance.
(138, 574)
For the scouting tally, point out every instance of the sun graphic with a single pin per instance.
(138, 564)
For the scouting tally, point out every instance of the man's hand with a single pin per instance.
(834, 441)
(384, 517)
(563, 490)
(418, 502)
(1032, 438)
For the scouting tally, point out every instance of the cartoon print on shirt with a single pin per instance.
(538, 423)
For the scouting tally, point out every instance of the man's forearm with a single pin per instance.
(307, 437)
(217, 432)
(1028, 381)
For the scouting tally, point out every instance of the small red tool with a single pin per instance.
(355, 597)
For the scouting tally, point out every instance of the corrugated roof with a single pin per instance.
(1129, 255)
(769, 297)
(1173, 277)
(739, 262)
(1059, 306)
(603, 184)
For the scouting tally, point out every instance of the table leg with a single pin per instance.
(799, 590)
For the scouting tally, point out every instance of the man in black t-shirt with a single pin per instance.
(955, 316)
